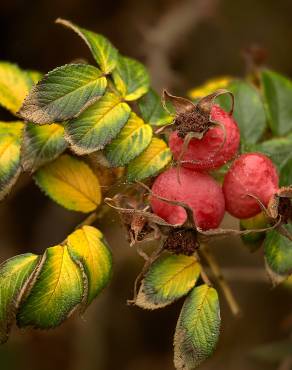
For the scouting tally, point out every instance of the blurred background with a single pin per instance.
(183, 43)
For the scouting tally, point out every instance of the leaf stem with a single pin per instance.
(215, 268)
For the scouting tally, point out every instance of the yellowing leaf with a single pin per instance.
(210, 86)
(168, 279)
(105, 54)
(63, 93)
(88, 248)
(71, 183)
(41, 145)
(134, 137)
(56, 292)
(15, 274)
(197, 329)
(150, 162)
(35, 76)
(10, 141)
(14, 86)
(98, 125)
(131, 78)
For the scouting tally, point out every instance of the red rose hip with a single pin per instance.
(199, 190)
(251, 173)
(209, 152)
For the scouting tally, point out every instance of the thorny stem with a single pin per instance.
(208, 256)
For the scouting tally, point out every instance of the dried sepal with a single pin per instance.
(181, 105)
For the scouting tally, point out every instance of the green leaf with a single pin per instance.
(197, 329)
(98, 125)
(71, 183)
(278, 252)
(279, 151)
(35, 76)
(131, 141)
(105, 54)
(131, 78)
(277, 91)
(254, 240)
(152, 110)
(14, 86)
(150, 162)
(15, 275)
(10, 141)
(286, 173)
(63, 94)
(168, 279)
(249, 111)
(88, 249)
(41, 145)
(56, 292)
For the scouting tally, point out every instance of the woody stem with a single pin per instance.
(215, 268)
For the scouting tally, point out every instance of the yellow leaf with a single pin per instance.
(209, 87)
(88, 248)
(14, 86)
(71, 183)
(10, 141)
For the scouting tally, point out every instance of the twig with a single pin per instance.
(234, 307)
(167, 35)
(286, 364)
(154, 256)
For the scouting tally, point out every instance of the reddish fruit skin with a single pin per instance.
(251, 173)
(209, 151)
(199, 190)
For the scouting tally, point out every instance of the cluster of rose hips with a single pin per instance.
(249, 186)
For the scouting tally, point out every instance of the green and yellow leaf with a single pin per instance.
(14, 86)
(131, 78)
(168, 279)
(209, 87)
(35, 76)
(88, 249)
(150, 162)
(10, 142)
(98, 125)
(56, 293)
(63, 94)
(197, 329)
(41, 144)
(105, 54)
(278, 252)
(133, 139)
(71, 183)
(15, 275)
(152, 110)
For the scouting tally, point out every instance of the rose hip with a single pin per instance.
(199, 190)
(251, 174)
(209, 152)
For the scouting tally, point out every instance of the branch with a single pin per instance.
(167, 36)
(234, 307)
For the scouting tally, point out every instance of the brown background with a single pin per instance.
(212, 33)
